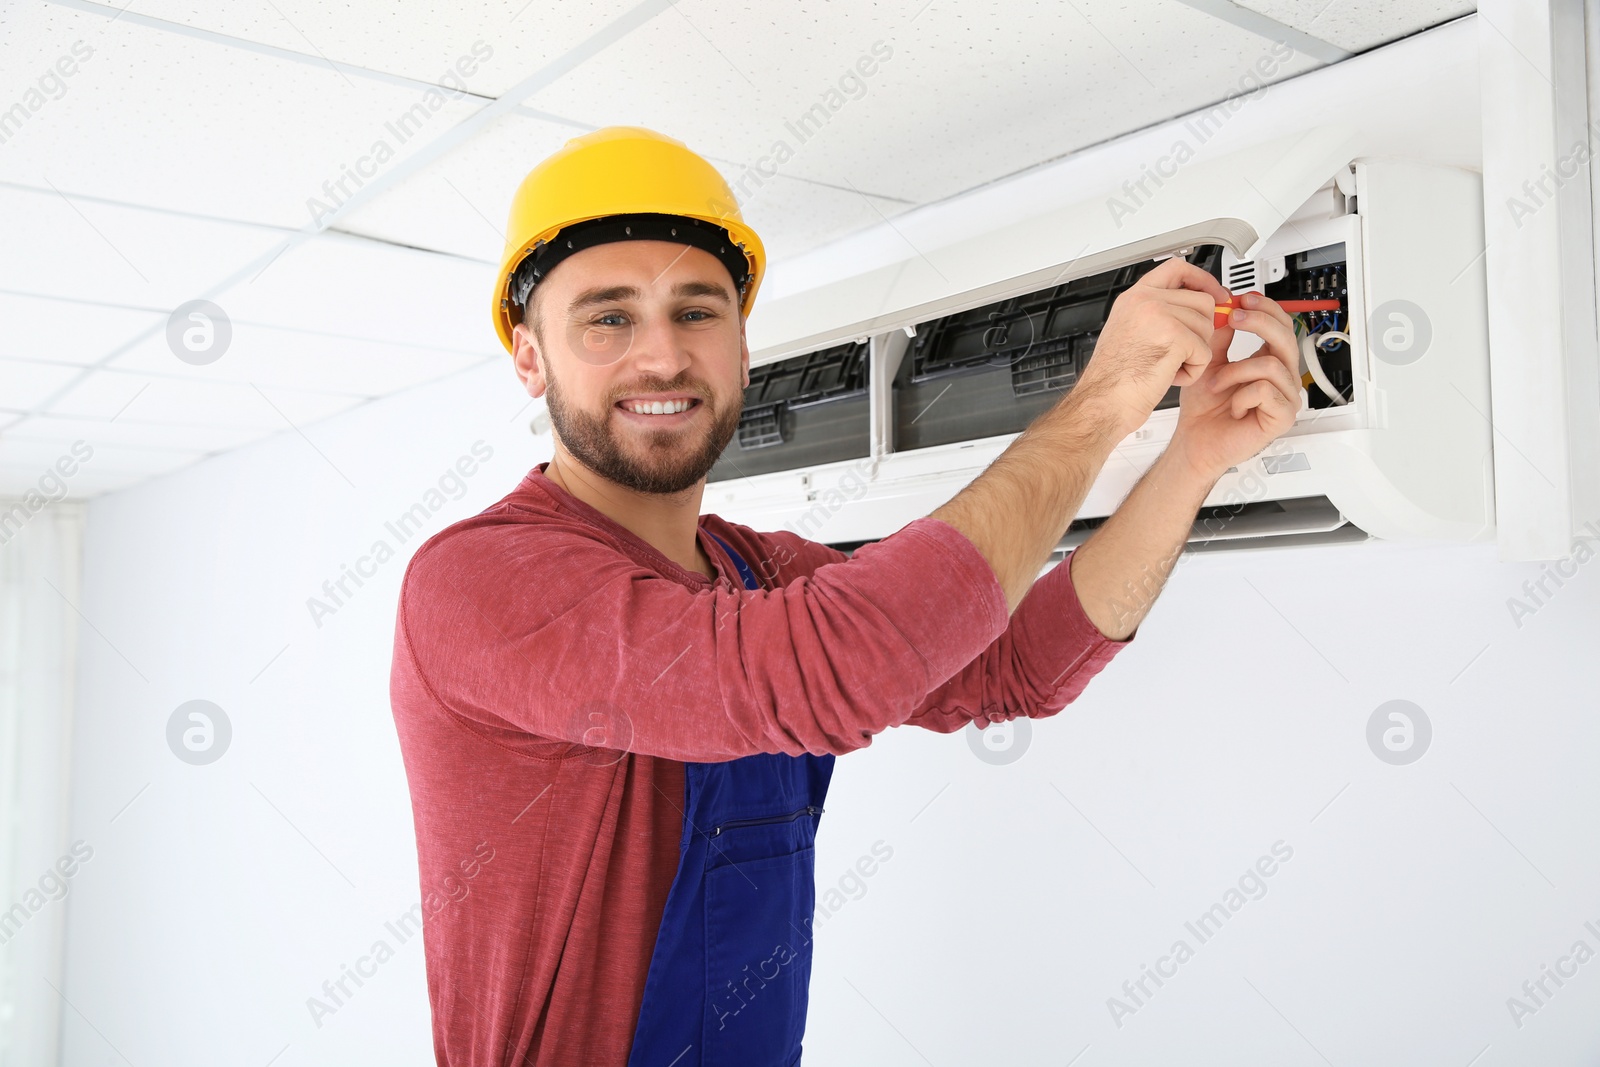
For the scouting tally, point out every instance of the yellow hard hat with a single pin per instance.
(621, 183)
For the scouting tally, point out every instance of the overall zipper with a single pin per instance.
(810, 809)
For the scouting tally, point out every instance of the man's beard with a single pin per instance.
(675, 459)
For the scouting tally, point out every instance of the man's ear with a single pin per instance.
(744, 355)
(525, 358)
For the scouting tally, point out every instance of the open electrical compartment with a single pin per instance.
(874, 399)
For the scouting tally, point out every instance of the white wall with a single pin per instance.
(1017, 899)
(1413, 906)
(226, 894)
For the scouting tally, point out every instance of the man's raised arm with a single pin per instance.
(1230, 413)
(1072, 622)
(1159, 332)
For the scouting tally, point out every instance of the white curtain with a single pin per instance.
(39, 584)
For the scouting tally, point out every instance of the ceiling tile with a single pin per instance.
(459, 203)
(60, 455)
(424, 42)
(1011, 84)
(59, 330)
(109, 394)
(83, 250)
(271, 356)
(793, 216)
(125, 431)
(27, 383)
(1356, 25)
(86, 470)
(166, 120)
(36, 454)
(89, 480)
(338, 284)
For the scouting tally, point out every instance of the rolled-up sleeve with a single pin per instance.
(1041, 662)
(548, 631)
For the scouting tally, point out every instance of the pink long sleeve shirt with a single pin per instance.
(552, 673)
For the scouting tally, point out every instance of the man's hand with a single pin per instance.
(1235, 409)
(1159, 333)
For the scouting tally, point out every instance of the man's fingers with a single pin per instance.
(1264, 395)
(1262, 365)
(1261, 317)
(1197, 357)
(1197, 320)
(1277, 331)
(1253, 301)
(1179, 273)
(1261, 368)
(1189, 298)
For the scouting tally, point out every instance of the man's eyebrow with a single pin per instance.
(702, 289)
(610, 294)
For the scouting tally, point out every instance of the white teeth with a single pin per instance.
(656, 407)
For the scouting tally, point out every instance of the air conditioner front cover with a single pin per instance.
(1235, 200)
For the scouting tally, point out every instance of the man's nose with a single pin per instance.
(658, 346)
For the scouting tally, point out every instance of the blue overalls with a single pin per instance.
(731, 970)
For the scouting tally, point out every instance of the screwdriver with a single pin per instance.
(1293, 307)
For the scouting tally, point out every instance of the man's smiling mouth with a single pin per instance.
(656, 408)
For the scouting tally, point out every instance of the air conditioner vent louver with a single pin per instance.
(1308, 520)
(1297, 521)
(801, 411)
(832, 374)
(760, 427)
(1050, 367)
(1242, 277)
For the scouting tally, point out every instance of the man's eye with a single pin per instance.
(601, 321)
(697, 311)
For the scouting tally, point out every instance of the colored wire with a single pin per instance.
(1308, 352)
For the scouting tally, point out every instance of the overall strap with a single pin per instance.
(728, 983)
(749, 576)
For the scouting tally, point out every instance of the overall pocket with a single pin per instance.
(758, 959)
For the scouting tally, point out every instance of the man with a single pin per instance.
(619, 716)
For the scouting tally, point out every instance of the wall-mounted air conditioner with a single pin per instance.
(876, 398)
